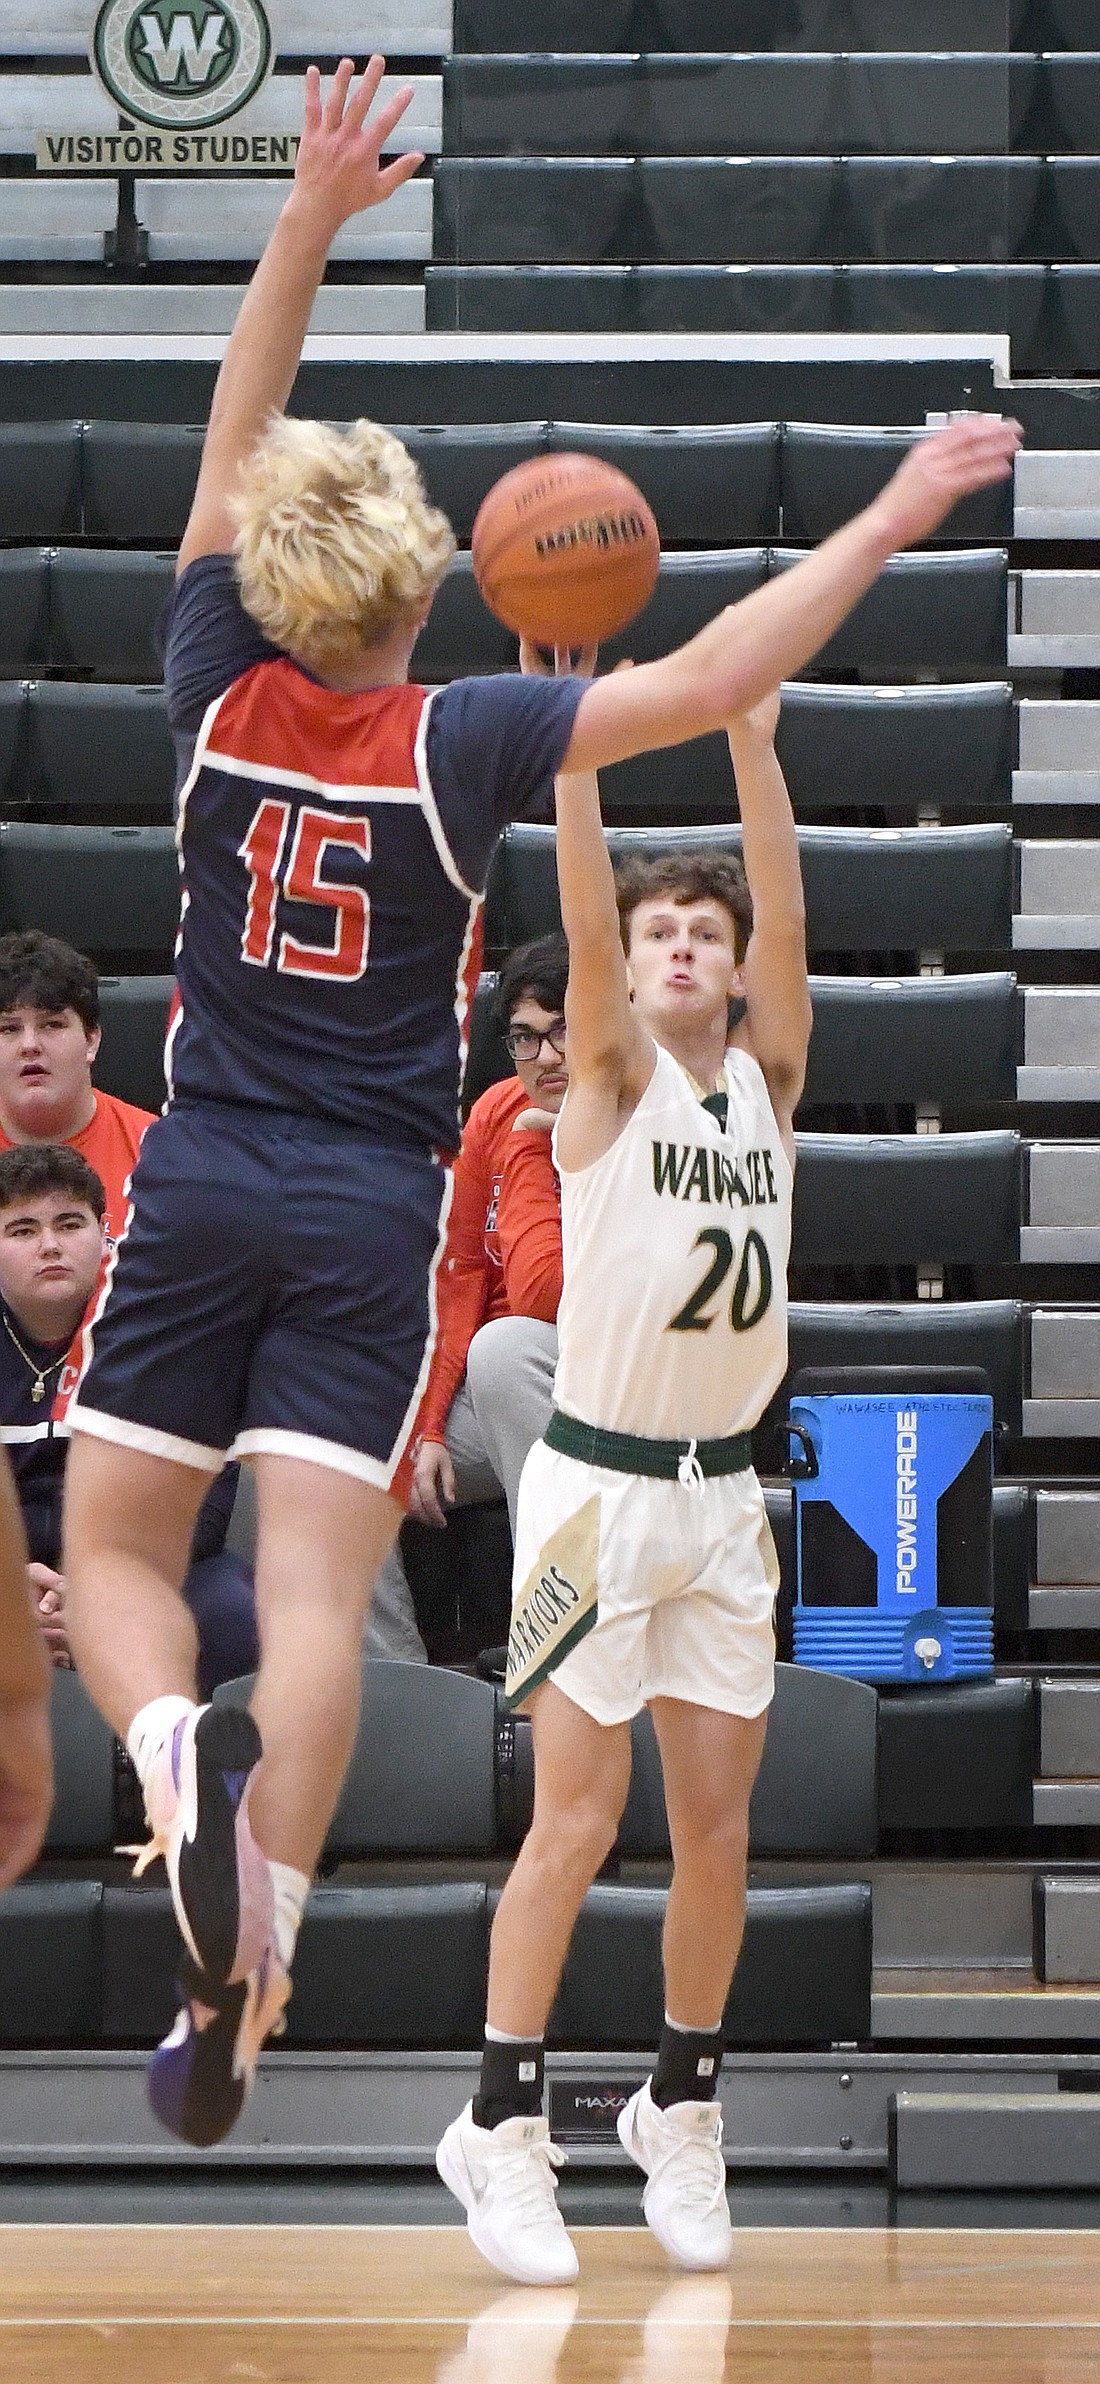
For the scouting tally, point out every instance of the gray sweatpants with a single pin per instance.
(499, 1410)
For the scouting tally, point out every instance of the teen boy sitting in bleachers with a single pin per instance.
(497, 1288)
(51, 1253)
(49, 1037)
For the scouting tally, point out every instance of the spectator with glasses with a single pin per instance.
(497, 1290)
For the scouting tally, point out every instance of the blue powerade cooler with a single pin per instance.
(893, 1504)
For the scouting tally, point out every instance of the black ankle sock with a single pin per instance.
(510, 2086)
(687, 2066)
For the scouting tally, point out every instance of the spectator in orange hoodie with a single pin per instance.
(498, 1287)
(49, 1037)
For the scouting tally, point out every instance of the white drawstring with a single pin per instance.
(689, 1471)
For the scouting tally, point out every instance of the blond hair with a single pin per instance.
(336, 542)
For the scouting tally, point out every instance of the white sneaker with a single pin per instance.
(681, 2152)
(504, 2178)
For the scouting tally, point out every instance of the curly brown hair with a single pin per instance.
(684, 878)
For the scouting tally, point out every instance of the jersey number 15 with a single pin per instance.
(344, 921)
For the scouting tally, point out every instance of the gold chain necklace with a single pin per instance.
(40, 1373)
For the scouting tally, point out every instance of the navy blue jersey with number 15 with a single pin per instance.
(333, 849)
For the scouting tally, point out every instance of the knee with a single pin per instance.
(575, 1840)
(507, 1349)
(713, 1833)
(491, 1354)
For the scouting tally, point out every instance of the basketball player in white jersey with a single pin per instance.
(645, 1572)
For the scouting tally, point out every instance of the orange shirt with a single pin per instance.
(529, 1225)
(487, 1271)
(110, 1144)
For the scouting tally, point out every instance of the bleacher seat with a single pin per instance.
(487, 1059)
(777, 210)
(1050, 313)
(957, 1757)
(894, 749)
(714, 484)
(103, 612)
(24, 611)
(828, 472)
(803, 1976)
(133, 1014)
(935, 1039)
(13, 711)
(945, 613)
(138, 480)
(421, 1779)
(58, 223)
(51, 1950)
(82, 1821)
(39, 480)
(459, 462)
(907, 1199)
(905, 748)
(717, 483)
(985, 1333)
(113, 892)
(691, 588)
(461, 634)
(90, 755)
(739, 105)
(400, 1965)
(867, 889)
(403, 1965)
(194, 222)
(673, 25)
(94, 612)
(940, 612)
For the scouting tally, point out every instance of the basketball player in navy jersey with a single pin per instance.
(336, 826)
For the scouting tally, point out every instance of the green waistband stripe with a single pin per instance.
(627, 1452)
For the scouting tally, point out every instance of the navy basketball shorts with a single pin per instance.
(273, 1294)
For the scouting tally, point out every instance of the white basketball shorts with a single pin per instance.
(685, 1577)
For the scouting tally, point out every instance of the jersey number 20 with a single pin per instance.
(752, 1287)
(341, 948)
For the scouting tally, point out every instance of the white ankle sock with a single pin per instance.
(151, 1726)
(291, 1889)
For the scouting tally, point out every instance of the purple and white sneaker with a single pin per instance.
(201, 2076)
(196, 1799)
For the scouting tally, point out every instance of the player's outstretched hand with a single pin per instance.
(26, 1783)
(970, 454)
(338, 169)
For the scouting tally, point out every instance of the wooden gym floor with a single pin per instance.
(415, 2305)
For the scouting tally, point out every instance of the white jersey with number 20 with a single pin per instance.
(673, 1317)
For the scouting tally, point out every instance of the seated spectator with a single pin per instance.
(49, 1036)
(498, 1285)
(51, 1251)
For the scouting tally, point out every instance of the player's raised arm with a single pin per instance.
(778, 1013)
(750, 647)
(607, 1047)
(26, 1770)
(338, 174)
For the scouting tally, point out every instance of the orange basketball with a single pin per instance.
(565, 550)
